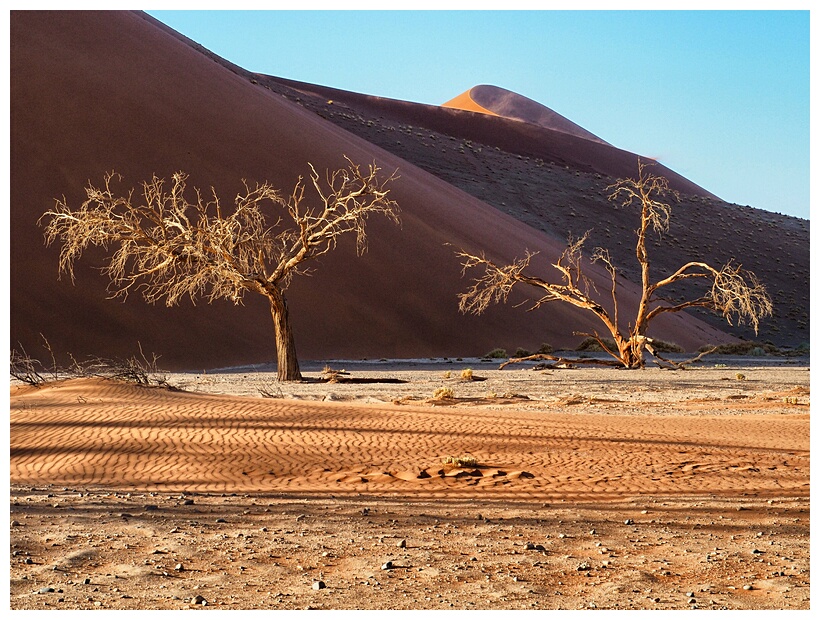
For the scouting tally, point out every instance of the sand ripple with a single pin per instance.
(103, 433)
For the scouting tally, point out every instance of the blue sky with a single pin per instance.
(721, 97)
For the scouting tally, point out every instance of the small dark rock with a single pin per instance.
(319, 585)
(387, 565)
(151, 507)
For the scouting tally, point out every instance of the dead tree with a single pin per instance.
(730, 290)
(167, 247)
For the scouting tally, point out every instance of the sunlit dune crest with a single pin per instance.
(501, 102)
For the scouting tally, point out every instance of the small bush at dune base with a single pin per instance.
(590, 345)
(741, 348)
(496, 354)
(661, 346)
(443, 393)
(467, 374)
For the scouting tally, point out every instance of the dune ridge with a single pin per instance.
(121, 72)
(498, 101)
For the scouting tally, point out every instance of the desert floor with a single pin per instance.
(594, 488)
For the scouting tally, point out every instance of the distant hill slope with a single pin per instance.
(502, 102)
(96, 91)
(556, 183)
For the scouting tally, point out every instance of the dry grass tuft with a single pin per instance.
(460, 461)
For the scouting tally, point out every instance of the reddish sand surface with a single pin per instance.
(501, 102)
(591, 489)
(96, 91)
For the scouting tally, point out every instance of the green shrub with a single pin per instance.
(496, 354)
(545, 348)
(741, 348)
(591, 345)
(661, 346)
(522, 352)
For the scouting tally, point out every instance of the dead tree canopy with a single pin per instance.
(169, 243)
(729, 290)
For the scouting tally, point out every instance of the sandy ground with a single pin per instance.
(593, 488)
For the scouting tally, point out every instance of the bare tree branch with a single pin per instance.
(167, 246)
(735, 293)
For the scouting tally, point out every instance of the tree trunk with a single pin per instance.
(286, 360)
(632, 352)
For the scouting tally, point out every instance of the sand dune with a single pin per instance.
(102, 433)
(123, 84)
(127, 497)
(502, 102)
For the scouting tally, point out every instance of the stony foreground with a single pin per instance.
(76, 550)
(693, 495)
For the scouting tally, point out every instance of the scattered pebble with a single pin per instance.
(319, 585)
(387, 565)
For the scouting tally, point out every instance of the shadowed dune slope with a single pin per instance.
(502, 102)
(507, 135)
(558, 183)
(96, 91)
